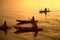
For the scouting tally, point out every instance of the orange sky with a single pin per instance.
(29, 4)
(32, 6)
(28, 7)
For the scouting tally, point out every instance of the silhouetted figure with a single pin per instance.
(4, 27)
(44, 11)
(26, 21)
(34, 28)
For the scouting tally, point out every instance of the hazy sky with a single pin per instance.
(29, 6)
(32, 6)
(18, 5)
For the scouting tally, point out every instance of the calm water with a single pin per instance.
(51, 26)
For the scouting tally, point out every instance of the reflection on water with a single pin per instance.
(51, 29)
(51, 32)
